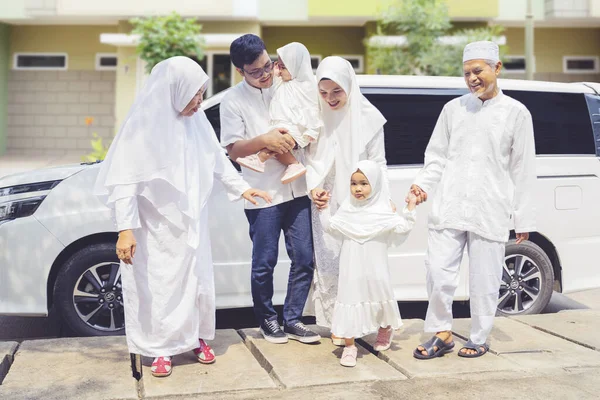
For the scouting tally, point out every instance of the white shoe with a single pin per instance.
(293, 172)
(251, 162)
(349, 356)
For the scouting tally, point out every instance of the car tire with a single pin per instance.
(527, 280)
(88, 292)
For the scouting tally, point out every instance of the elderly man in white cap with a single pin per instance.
(481, 162)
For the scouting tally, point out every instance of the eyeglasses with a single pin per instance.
(259, 72)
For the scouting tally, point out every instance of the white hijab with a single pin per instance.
(346, 132)
(155, 154)
(364, 220)
(297, 101)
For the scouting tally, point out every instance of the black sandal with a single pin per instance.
(428, 346)
(472, 346)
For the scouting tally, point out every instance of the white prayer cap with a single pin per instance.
(483, 50)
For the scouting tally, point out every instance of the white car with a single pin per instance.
(57, 241)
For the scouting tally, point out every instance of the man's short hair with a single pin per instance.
(246, 49)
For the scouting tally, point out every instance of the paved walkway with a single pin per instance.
(542, 356)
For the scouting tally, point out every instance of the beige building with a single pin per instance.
(63, 61)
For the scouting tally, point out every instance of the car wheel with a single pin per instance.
(88, 292)
(527, 280)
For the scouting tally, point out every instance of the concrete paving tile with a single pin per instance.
(590, 298)
(299, 365)
(411, 334)
(235, 369)
(579, 326)
(7, 352)
(72, 368)
(531, 348)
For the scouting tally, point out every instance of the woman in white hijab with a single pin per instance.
(352, 131)
(157, 176)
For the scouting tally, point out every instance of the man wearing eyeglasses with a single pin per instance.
(244, 131)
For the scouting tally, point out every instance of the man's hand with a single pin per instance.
(419, 194)
(250, 194)
(126, 246)
(278, 141)
(521, 237)
(320, 197)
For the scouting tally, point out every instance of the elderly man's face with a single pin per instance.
(481, 78)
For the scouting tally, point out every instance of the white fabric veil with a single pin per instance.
(298, 99)
(346, 132)
(148, 156)
(363, 220)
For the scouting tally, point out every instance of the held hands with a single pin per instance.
(279, 141)
(126, 246)
(250, 194)
(419, 194)
(521, 237)
(411, 199)
(320, 197)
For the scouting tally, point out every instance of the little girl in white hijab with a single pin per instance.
(365, 301)
(294, 107)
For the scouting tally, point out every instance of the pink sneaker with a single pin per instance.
(161, 367)
(251, 162)
(293, 172)
(349, 356)
(384, 339)
(204, 353)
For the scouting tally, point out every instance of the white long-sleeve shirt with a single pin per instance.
(481, 160)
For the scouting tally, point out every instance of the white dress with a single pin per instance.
(365, 297)
(169, 292)
(328, 246)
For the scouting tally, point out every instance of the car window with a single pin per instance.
(214, 118)
(561, 122)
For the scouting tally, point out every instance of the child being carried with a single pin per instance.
(294, 107)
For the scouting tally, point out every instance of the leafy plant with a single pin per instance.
(422, 23)
(162, 37)
(99, 150)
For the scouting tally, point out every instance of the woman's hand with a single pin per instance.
(250, 194)
(320, 197)
(126, 246)
(412, 201)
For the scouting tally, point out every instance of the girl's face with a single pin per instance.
(194, 104)
(360, 186)
(284, 73)
(333, 94)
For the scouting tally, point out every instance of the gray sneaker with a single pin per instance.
(301, 333)
(272, 332)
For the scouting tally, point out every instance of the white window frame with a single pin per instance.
(16, 57)
(103, 68)
(359, 57)
(210, 69)
(517, 71)
(319, 57)
(566, 70)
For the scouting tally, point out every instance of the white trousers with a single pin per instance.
(444, 255)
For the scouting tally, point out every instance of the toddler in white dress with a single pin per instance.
(294, 107)
(365, 302)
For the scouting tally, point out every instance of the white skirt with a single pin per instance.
(365, 299)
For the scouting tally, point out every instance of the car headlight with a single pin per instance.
(19, 208)
(28, 188)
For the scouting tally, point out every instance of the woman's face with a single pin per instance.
(194, 104)
(333, 94)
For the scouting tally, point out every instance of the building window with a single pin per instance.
(106, 62)
(581, 65)
(315, 59)
(357, 62)
(218, 67)
(515, 64)
(40, 61)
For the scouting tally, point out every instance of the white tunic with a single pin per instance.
(245, 115)
(482, 154)
(169, 294)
